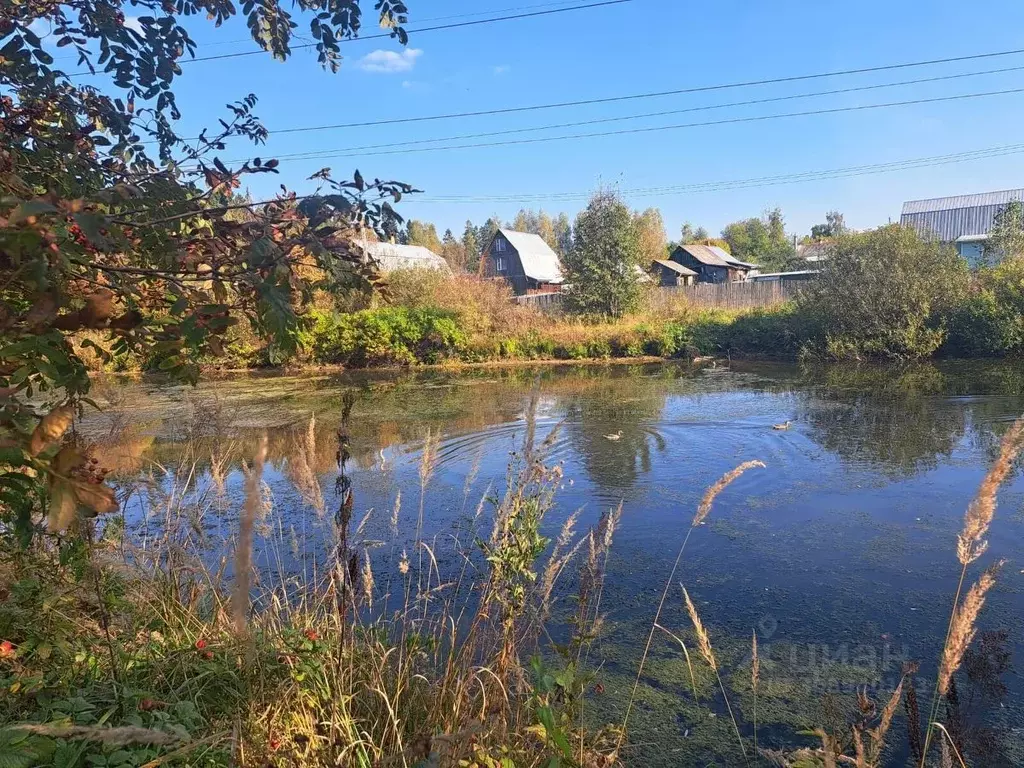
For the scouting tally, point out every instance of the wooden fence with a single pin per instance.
(755, 295)
(546, 302)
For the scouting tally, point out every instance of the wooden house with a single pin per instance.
(711, 263)
(671, 273)
(524, 260)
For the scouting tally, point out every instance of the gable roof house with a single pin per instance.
(390, 256)
(671, 273)
(711, 263)
(963, 220)
(524, 260)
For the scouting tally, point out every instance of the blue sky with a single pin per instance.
(637, 47)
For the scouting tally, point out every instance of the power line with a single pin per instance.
(653, 94)
(654, 129)
(236, 41)
(703, 108)
(749, 183)
(420, 31)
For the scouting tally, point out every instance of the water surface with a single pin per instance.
(841, 553)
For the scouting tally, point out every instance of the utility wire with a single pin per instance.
(420, 31)
(761, 181)
(703, 108)
(655, 129)
(239, 40)
(650, 95)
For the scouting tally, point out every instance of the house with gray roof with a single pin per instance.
(391, 256)
(963, 220)
(711, 263)
(524, 260)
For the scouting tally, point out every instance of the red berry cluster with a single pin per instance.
(91, 472)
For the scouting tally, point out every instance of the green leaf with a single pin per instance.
(547, 718)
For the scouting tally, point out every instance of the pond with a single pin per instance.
(840, 553)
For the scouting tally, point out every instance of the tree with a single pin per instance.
(486, 232)
(691, 235)
(834, 226)
(453, 251)
(111, 222)
(601, 264)
(425, 234)
(525, 221)
(761, 241)
(1006, 240)
(470, 246)
(563, 234)
(651, 238)
(884, 294)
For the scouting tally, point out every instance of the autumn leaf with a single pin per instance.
(98, 497)
(50, 429)
(62, 505)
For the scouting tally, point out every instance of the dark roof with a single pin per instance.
(709, 255)
(674, 266)
(949, 218)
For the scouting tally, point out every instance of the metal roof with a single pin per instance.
(711, 255)
(949, 218)
(674, 266)
(539, 262)
(390, 257)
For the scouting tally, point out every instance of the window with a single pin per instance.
(499, 245)
(499, 264)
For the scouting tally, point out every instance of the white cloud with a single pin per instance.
(390, 61)
(501, 69)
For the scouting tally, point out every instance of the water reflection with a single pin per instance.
(843, 542)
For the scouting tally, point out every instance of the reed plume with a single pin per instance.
(978, 517)
(703, 640)
(246, 525)
(962, 628)
(702, 512)
(704, 646)
(709, 495)
(367, 578)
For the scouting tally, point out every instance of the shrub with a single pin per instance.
(990, 322)
(386, 336)
(883, 294)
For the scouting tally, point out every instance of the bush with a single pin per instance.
(883, 294)
(990, 322)
(386, 336)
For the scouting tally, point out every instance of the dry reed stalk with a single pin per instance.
(702, 512)
(860, 757)
(367, 578)
(948, 747)
(557, 561)
(114, 737)
(828, 748)
(686, 655)
(709, 495)
(755, 675)
(971, 545)
(704, 646)
(885, 721)
(979, 514)
(703, 640)
(301, 468)
(393, 523)
(243, 549)
(962, 628)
